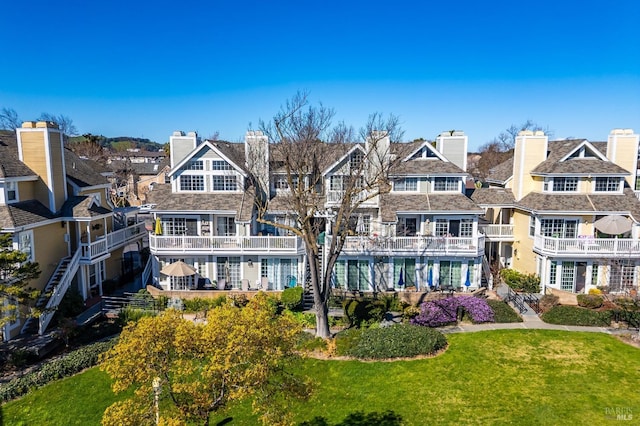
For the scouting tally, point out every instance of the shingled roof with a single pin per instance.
(579, 165)
(493, 197)
(240, 203)
(83, 172)
(625, 203)
(82, 207)
(10, 165)
(23, 213)
(392, 203)
(501, 173)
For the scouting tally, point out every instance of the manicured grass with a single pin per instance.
(498, 377)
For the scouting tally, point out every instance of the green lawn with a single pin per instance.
(507, 376)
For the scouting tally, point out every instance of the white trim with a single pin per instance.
(339, 160)
(585, 143)
(196, 150)
(433, 149)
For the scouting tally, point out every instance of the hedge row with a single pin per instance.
(575, 315)
(68, 365)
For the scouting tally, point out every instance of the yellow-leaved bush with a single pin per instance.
(239, 353)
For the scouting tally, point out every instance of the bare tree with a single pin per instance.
(303, 143)
(90, 148)
(9, 119)
(64, 122)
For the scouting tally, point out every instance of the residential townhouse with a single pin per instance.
(423, 232)
(55, 206)
(546, 211)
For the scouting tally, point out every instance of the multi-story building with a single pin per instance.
(423, 232)
(55, 206)
(566, 211)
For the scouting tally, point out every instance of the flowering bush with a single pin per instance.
(436, 313)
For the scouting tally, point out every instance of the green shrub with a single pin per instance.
(309, 342)
(129, 314)
(575, 315)
(503, 312)
(387, 418)
(366, 311)
(203, 305)
(399, 340)
(68, 365)
(528, 283)
(292, 298)
(591, 301)
(305, 319)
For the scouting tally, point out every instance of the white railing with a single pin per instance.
(169, 244)
(587, 246)
(58, 292)
(363, 196)
(486, 270)
(112, 241)
(637, 194)
(473, 246)
(497, 231)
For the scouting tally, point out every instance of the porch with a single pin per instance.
(414, 246)
(586, 246)
(167, 244)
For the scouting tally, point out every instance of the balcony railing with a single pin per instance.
(590, 247)
(112, 241)
(420, 246)
(195, 244)
(497, 232)
(365, 197)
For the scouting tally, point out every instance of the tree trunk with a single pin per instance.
(320, 295)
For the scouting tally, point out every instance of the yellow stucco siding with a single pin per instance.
(34, 156)
(625, 153)
(26, 190)
(525, 260)
(528, 153)
(49, 248)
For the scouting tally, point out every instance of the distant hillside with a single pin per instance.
(122, 143)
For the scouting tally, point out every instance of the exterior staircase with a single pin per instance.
(52, 295)
(307, 295)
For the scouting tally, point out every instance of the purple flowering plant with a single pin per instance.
(436, 313)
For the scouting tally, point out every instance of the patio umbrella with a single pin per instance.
(468, 280)
(401, 279)
(178, 269)
(430, 277)
(360, 229)
(613, 224)
(158, 227)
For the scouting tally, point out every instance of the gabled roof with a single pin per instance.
(559, 160)
(83, 207)
(214, 146)
(167, 201)
(425, 145)
(336, 162)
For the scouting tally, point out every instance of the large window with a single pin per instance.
(553, 273)
(466, 228)
(406, 184)
(358, 275)
(442, 228)
(179, 226)
(607, 184)
(281, 273)
(450, 273)
(225, 183)
(621, 277)
(568, 276)
(405, 268)
(559, 228)
(355, 162)
(25, 244)
(407, 227)
(565, 184)
(226, 226)
(446, 184)
(229, 270)
(191, 183)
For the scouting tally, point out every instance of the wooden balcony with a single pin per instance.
(172, 244)
(497, 232)
(414, 246)
(101, 248)
(587, 247)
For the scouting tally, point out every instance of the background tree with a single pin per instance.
(239, 353)
(64, 122)
(500, 148)
(89, 147)
(9, 119)
(16, 272)
(302, 138)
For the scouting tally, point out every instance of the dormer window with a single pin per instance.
(446, 184)
(355, 162)
(406, 184)
(225, 183)
(191, 183)
(221, 165)
(608, 184)
(281, 182)
(561, 184)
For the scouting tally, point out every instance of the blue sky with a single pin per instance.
(145, 69)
